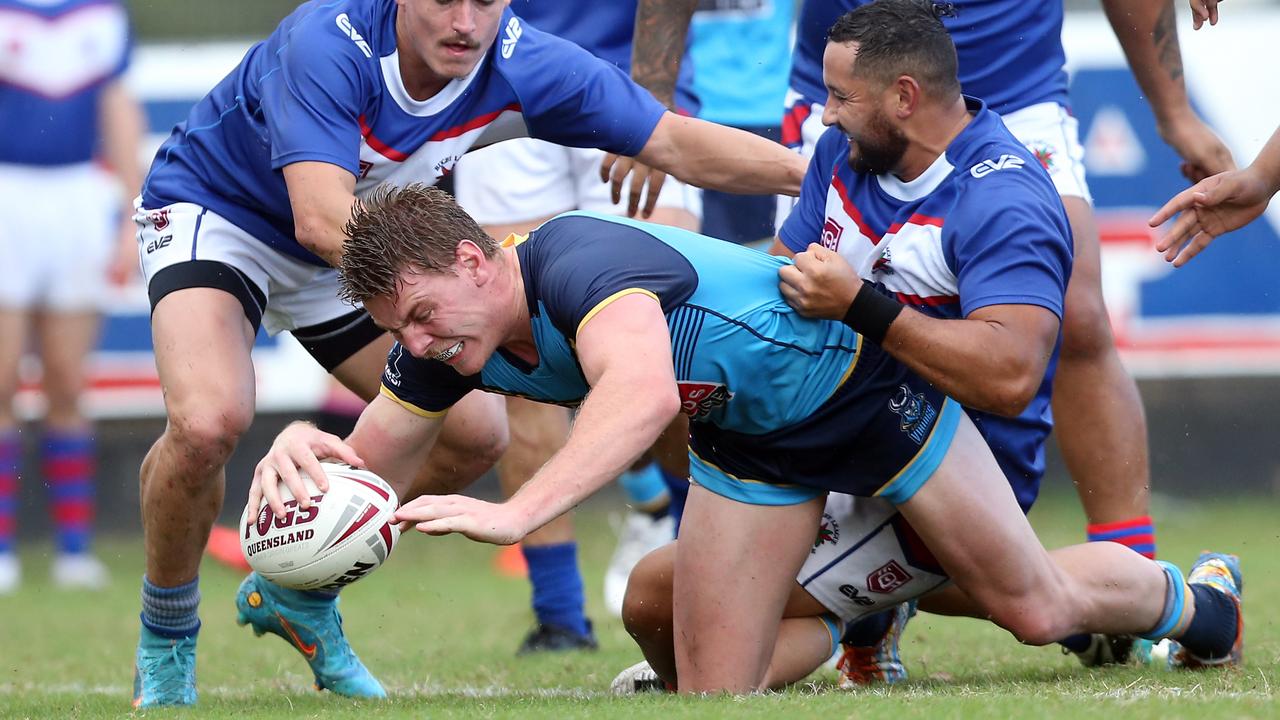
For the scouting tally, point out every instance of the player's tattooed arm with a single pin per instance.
(658, 45)
(1148, 33)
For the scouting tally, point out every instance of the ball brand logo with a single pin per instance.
(887, 578)
(292, 516)
(344, 24)
(698, 399)
(916, 413)
(831, 232)
(514, 31)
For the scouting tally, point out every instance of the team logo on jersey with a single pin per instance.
(831, 232)
(344, 24)
(445, 166)
(1006, 162)
(1044, 154)
(513, 32)
(159, 219)
(365, 167)
(917, 414)
(828, 532)
(698, 399)
(887, 578)
(882, 263)
(392, 373)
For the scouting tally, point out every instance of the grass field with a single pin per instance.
(440, 629)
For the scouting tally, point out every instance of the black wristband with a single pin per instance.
(871, 313)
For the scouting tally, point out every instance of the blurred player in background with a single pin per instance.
(241, 220)
(743, 90)
(67, 232)
(1011, 56)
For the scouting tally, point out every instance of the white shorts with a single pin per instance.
(527, 179)
(1047, 129)
(287, 293)
(866, 558)
(57, 236)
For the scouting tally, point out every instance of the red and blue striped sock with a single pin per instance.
(1138, 533)
(10, 454)
(68, 473)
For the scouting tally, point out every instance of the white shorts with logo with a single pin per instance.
(528, 179)
(866, 558)
(57, 236)
(1047, 129)
(289, 293)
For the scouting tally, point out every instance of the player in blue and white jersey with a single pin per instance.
(634, 323)
(241, 217)
(64, 113)
(1011, 56)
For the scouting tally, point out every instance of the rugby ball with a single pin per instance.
(346, 533)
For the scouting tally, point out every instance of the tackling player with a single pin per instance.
(241, 217)
(783, 409)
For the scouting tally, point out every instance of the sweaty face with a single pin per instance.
(438, 315)
(450, 36)
(856, 106)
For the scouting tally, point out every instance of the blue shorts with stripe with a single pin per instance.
(883, 433)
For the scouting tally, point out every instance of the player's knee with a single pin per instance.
(207, 436)
(647, 606)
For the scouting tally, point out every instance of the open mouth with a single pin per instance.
(448, 353)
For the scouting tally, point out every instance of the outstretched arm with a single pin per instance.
(321, 196)
(1219, 204)
(1148, 32)
(657, 47)
(121, 119)
(625, 352)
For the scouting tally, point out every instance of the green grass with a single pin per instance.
(439, 628)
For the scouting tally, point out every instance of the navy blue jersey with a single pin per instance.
(326, 86)
(1010, 51)
(982, 226)
(604, 29)
(781, 407)
(55, 59)
(743, 359)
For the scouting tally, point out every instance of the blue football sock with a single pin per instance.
(678, 490)
(1077, 643)
(1213, 628)
(868, 631)
(557, 586)
(171, 612)
(646, 490)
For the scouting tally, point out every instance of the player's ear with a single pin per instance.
(908, 95)
(470, 260)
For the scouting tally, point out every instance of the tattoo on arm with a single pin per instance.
(658, 45)
(1165, 38)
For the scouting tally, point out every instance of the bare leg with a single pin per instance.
(734, 569)
(969, 519)
(66, 339)
(1100, 423)
(202, 342)
(14, 324)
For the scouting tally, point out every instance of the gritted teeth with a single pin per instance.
(448, 353)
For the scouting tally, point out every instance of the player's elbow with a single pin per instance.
(1012, 387)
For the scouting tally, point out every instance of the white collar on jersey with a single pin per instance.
(928, 181)
(432, 105)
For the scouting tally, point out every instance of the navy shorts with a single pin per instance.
(883, 433)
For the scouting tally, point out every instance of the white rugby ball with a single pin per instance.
(346, 533)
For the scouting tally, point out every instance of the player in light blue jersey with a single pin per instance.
(241, 218)
(64, 113)
(634, 323)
